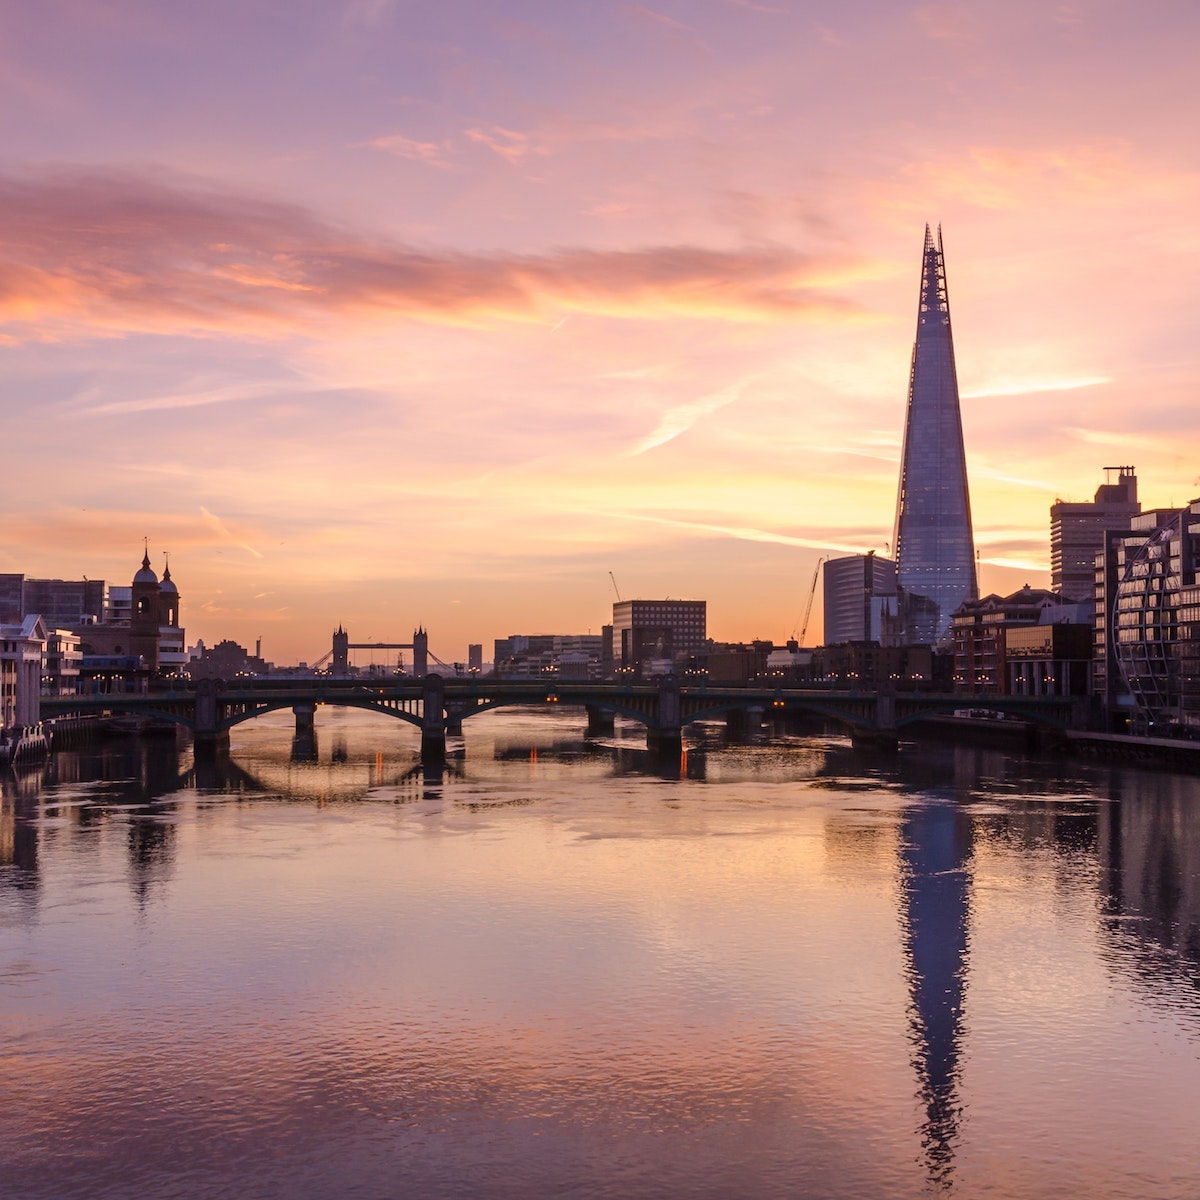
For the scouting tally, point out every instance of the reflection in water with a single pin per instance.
(566, 965)
(1148, 850)
(304, 746)
(935, 849)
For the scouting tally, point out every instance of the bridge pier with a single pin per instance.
(600, 721)
(665, 736)
(306, 718)
(877, 740)
(210, 744)
(433, 720)
(744, 724)
(883, 735)
(208, 738)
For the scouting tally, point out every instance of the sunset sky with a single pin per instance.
(392, 314)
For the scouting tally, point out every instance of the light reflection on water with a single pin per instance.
(560, 966)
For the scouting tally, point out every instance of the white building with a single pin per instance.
(21, 650)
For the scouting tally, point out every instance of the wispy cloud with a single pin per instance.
(1029, 387)
(225, 534)
(745, 533)
(195, 399)
(682, 417)
(405, 147)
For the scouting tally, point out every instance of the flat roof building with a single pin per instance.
(655, 634)
(1077, 531)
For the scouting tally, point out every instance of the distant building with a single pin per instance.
(225, 660)
(62, 663)
(538, 655)
(22, 647)
(870, 665)
(475, 656)
(657, 634)
(934, 544)
(61, 603)
(1077, 531)
(727, 663)
(860, 595)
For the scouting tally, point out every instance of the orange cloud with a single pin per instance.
(121, 253)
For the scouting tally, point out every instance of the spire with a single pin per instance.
(935, 550)
(167, 568)
(146, 555)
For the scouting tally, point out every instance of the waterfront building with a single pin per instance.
(22, 647)
(860, 598)
(990, 631)
(1154, 625)
(1048, 660)
(870, 666)
(111, 623)
(656, 636)
(934, 544)
(1077, 531)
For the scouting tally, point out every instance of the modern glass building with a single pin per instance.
(934, 546)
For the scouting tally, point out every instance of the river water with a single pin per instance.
(565, 968)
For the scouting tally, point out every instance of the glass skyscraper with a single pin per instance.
(934, 546)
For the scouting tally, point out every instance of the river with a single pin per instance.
(564, 968)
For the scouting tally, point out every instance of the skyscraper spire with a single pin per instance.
(935, 548)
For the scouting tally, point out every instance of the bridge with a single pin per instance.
(438, 707)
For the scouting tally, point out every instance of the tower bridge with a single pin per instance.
(338, 657)
(438, 707)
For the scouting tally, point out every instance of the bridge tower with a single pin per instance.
(341, 653)
(420, 649)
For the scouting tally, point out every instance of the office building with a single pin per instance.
(1077, 531)
(652, 637)
(934, 545)
(61, 603)
(860, 597)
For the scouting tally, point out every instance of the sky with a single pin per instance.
(392, 314)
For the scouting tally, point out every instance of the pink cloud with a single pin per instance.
(119, 253)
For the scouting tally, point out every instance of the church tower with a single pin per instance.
(145, 604)
(934, 544)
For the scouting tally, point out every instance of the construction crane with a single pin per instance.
(615, 588)
(812, 591)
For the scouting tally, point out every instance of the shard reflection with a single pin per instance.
(935, 854)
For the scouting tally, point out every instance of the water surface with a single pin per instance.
(563, 967)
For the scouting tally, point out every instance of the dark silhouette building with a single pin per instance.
(934, 545)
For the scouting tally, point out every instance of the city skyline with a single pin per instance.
(390, 317)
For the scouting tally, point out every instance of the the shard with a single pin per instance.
(934, 547)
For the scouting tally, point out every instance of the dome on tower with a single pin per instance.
(168, 584)
(146, 574)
